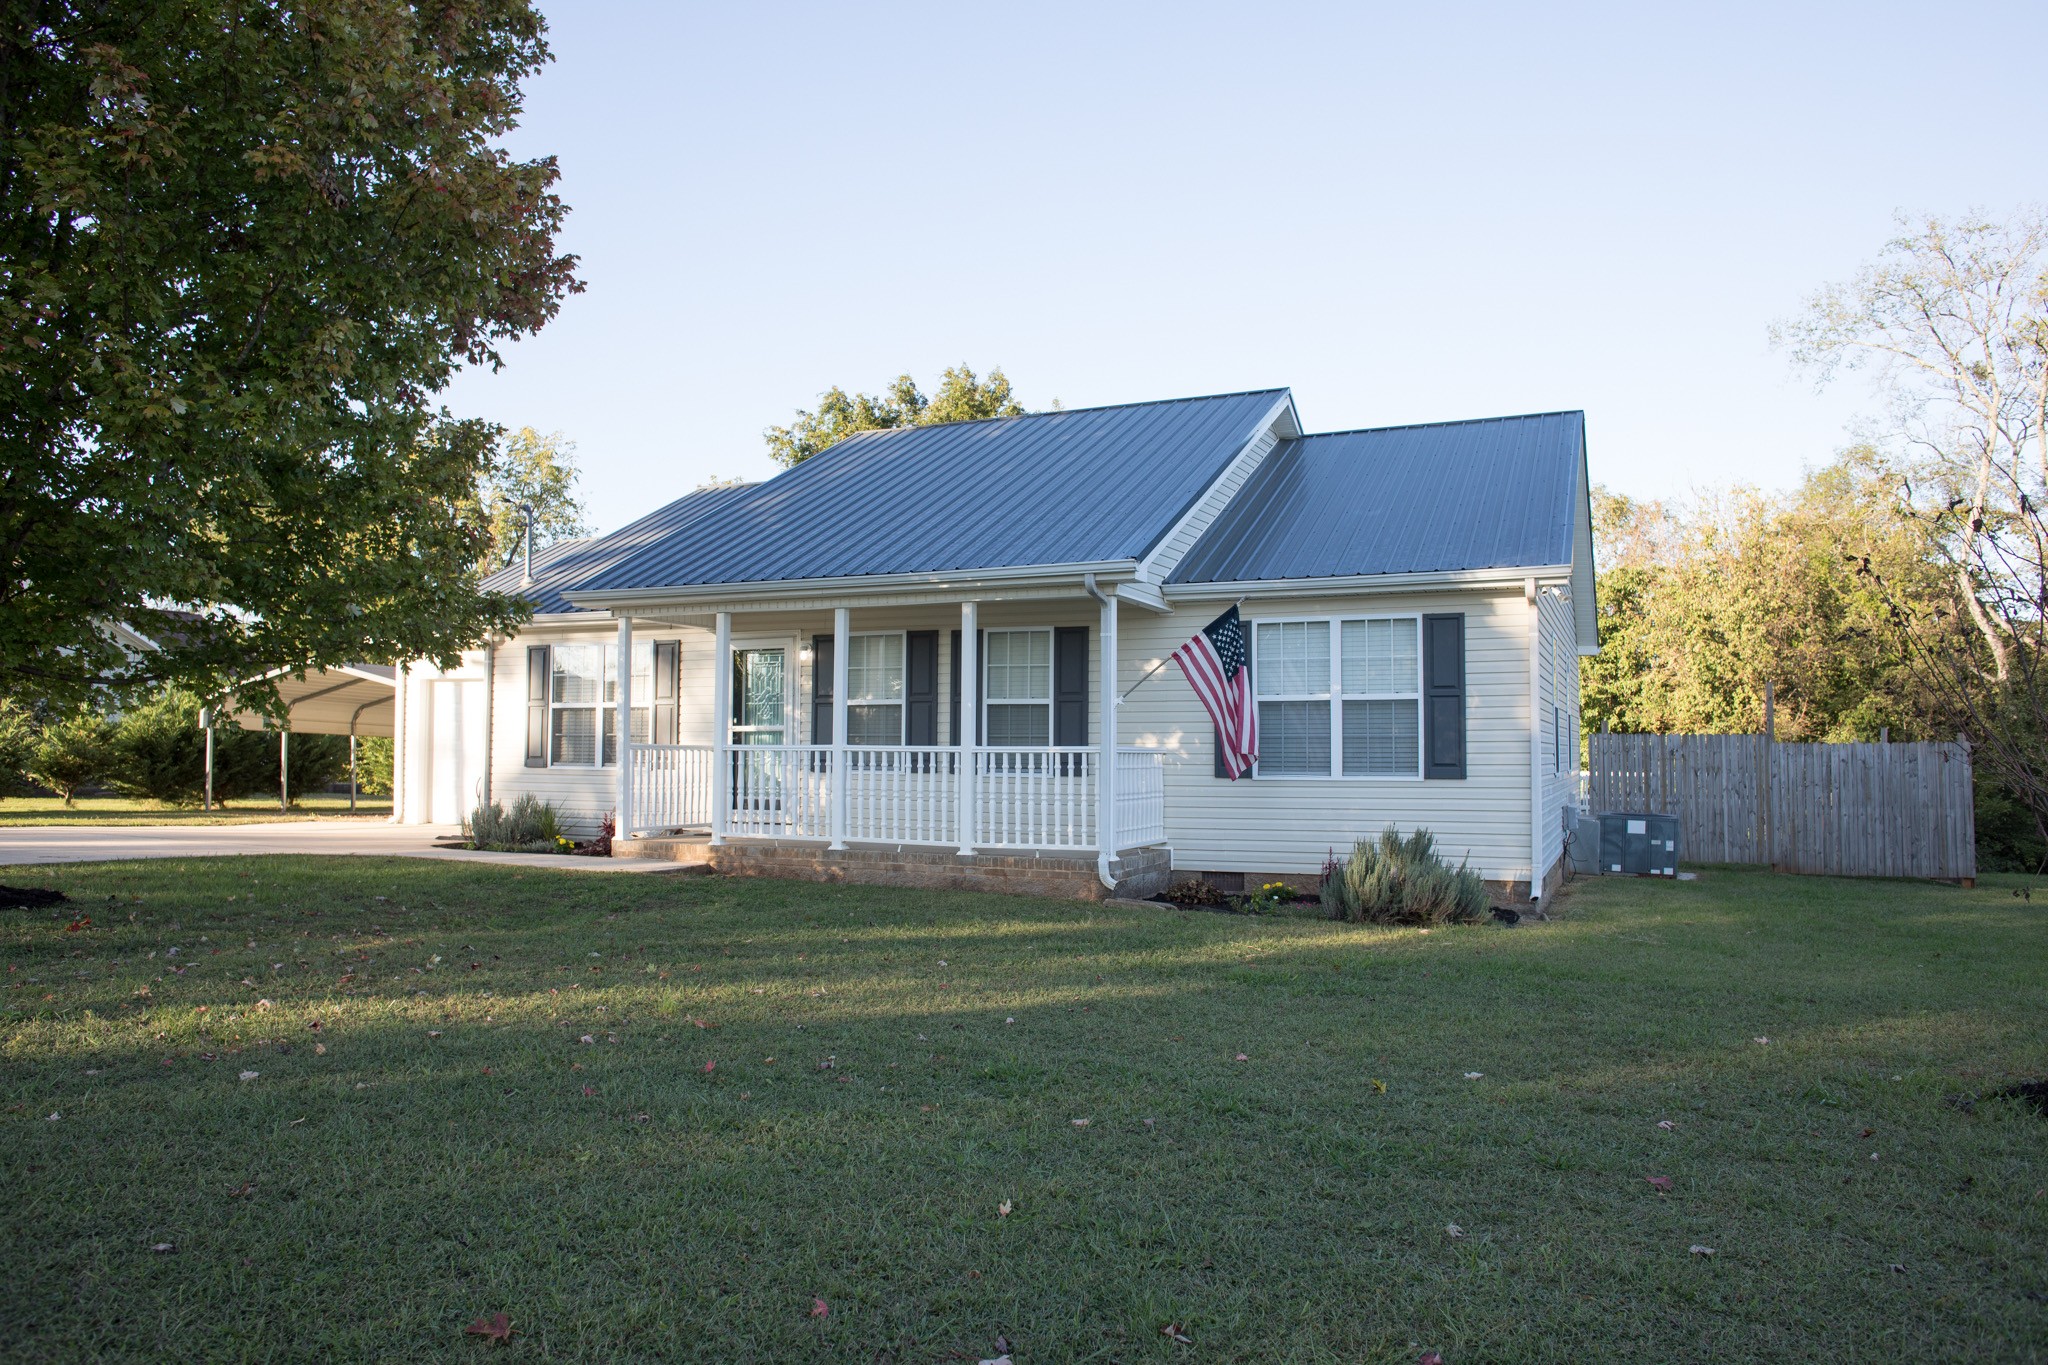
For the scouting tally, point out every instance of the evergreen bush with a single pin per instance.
(530, 826)
(1393, 880)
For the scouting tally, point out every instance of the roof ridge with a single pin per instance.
(1451, 422)
(1065, 412)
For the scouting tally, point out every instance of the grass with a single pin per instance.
(443, 1146)
(121, 810)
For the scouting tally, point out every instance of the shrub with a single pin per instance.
(17, 741)
(373, 765)
(1193, 891)
(531, 826)
(1393, 880)
(72, 753)
(159, 751)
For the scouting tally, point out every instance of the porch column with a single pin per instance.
(1106, 832)
(841, 641)
(721, 723)
(401, 750)
(970, 713)
(624, 802)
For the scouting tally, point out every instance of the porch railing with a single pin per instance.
(1023, 797)
(671, 788)
(1140, 797)
(1035, 797)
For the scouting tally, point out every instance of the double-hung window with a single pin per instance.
(1339, 697)
(1019, 687)
(874, 689)
(583, 702)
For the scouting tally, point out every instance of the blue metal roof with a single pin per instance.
(1082, 486)
(557, 566)
(1494, 493)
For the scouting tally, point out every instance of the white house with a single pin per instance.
(774, 677)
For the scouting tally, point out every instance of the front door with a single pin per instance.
(760, 696)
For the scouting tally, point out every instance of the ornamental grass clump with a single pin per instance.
(1391, 880)
(530, 826)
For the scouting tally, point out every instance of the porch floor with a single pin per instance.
(1139, 872)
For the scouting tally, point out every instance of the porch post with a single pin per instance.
(401, 751)
(721, 723)
(624, 801)
(841, 641)
(970, 712)
(1106, 832)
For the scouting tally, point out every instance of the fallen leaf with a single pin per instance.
(1003, 1209)
(1699, 1250)
(1379, 1087)
(163, 1248)
(709, 1067)
(1667, 1125)
(1867, 1132)
(496, 1328)
(1172, 1332)
(820, 1309)
(1430, 1358)
(1763, 1042)
(588, 1091)
(1898, 1269)
(1474, 1075)
(319, 1049)
(1242, 1058)
(1660, 1183)
(996, 1360)
(1008, 1021)
(265, 1005)
(433, 1033)
(245, 1189)
(250, 1075)
(1080, 1123)
(54, 1117)
(1454, 1230)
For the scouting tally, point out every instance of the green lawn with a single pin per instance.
(1179, 1108)
(121, 810)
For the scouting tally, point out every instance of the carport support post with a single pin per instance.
(842, 639)
(721, 723)
(351, 767)
(970, 714)
(206, 724)
(624, 821)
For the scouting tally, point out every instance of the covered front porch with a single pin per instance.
(859, 736)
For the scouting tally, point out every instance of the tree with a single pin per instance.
(1954, 319)
(71, 753)
(1702, 607)
(961, 397)
(243, 246)
(529, 470)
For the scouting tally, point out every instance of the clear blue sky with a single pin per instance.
(1406, 213)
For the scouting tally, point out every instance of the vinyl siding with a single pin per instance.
(1559, 716)
(1292, 824)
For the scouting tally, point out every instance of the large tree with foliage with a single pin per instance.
(241, 247)
(962, 396)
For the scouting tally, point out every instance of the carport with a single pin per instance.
(350, 699)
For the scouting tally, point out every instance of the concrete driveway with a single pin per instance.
(22, 845)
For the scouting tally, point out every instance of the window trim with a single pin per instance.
(984, 701)
(900, 703)
(1335, 696)
(606, 719)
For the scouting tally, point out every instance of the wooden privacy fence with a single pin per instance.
(1846, 810)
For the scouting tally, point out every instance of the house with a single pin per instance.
(934, 655)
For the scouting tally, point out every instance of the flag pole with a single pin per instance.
(1158, 666)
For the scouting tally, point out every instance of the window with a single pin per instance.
(1354, 713)
(583, 702)
(874, 689)
(1019, 685)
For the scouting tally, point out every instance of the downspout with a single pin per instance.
(1105, 802)
(1536, 868)
(490, 708)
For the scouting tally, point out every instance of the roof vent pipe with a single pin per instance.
(526, 577)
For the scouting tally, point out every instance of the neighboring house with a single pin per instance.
(803, 651)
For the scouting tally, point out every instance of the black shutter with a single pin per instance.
(981, 663)
(661, 728)
(1070, 685)
(1443, 695)
(536, 706)
(921, 687)
(822, 672)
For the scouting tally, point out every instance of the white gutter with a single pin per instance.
(1445, 581)
(965, 581)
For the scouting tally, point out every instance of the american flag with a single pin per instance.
(1214, 662)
